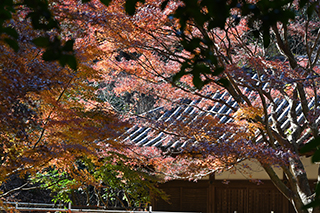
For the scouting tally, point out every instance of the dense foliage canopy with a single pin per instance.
(54, 130)
(159, 52)
(264, 54)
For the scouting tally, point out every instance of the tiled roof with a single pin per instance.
(188, 113)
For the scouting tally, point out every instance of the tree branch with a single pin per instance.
(284, 49)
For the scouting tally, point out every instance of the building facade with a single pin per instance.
(230, 192)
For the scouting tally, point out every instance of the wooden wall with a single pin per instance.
(213, 196)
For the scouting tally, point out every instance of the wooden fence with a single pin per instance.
(43, 207)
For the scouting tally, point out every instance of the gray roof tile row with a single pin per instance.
(189, 114)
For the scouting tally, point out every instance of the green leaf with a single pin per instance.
(164, 4)
(313, 204)
(201, 68)
(266, 38)
(105, 2)
(218, 71)
(317, 190)
(195, 42)
(52, 24)
(177, 76)
(68, 46)
(316, 156)
(72, 62)
(191, 45)
(211, 57)
(35, 17)
(63, 61)
(302, 3)
(41, 41)
(256, 33)
(50, 55)
(197, 82)
(12, 43)
(4, 15)
(11, 32)
(130, 6)
(223, 82)
(311, 9)
(185, 65)
(313, 144)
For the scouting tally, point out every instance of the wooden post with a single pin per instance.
(212, 193)
(69, 207)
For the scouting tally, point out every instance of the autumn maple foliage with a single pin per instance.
(263, 53)
(260, 62)
(50, 117)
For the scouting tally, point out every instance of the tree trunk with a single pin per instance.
(298, 192)
(317, 209)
